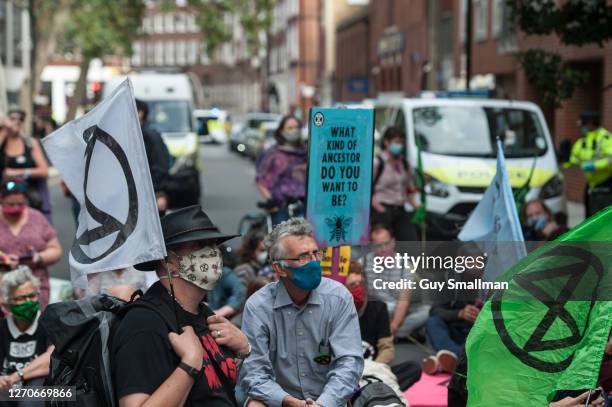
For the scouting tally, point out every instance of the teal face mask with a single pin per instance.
(306, 277)
(396, 149)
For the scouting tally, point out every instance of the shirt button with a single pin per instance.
(309, 311)
(289, 313)
(303, 374)
(300, 333)
(302, 354)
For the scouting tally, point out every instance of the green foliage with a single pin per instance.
(575, 22)
(101, 27)
(551, 76)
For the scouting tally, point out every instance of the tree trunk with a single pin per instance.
(80, 90)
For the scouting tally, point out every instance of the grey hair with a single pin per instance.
(15, 278)
(291, 227)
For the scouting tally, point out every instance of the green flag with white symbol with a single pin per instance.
(546, 332)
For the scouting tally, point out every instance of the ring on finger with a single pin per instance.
(218, 333)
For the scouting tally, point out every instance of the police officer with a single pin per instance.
(593, 153)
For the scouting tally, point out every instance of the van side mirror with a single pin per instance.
(564, 151)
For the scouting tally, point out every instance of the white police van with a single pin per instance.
(459, 154)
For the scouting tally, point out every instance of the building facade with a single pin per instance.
(172, 39)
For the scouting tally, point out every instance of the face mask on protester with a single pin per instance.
(202, 267)
(261, 257)
(306, 277)
(396, 149)
(537, 223)
(26, 311)
(584, 130)
(291, 136)
(358, 294)
(12, 210)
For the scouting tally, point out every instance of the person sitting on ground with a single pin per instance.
(408, 312)
(303, 329)
(376, 338)
(227, 297)
(539, 222)
(154, 367)
(25, 351)
(253, 258)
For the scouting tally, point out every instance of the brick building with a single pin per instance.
(417, 45)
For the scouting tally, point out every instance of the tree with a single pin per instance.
(98, 28)
(575, 22)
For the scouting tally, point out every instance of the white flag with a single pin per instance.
(494, 223)
(102, 159)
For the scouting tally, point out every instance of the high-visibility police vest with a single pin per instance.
(595, 147)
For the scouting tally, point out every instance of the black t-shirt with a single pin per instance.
(374, 325)
(158, 157)
(18, 349)
(143, 357)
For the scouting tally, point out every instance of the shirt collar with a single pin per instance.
(16, 333)
(283, 299)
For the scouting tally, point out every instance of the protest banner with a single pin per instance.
(342, 262)
(494, 224)
(102, 159)
(546, 332)
(339, 183)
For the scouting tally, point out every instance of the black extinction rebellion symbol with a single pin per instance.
(108, 223)
(574, 273)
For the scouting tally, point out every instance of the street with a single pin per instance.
(224, 202)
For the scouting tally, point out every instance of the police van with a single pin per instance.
(457, 138)
(170, 99)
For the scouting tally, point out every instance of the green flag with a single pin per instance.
(420, 212)
(548, 330)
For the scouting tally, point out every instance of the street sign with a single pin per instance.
(340, 175)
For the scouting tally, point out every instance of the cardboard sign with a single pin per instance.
(340, 175)
(343, 263)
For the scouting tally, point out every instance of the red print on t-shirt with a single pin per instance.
(228, 367)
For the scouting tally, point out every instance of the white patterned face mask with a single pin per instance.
(202, 267)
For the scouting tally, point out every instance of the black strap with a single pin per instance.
(379, 171)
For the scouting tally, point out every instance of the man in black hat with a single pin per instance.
(153, 367)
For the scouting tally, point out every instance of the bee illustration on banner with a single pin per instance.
(338, 226)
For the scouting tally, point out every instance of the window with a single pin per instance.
(137, 56)
(146, 24)
(192, 26)
(180, 52)
(193, 52)
(179, 23)
(481, 19)
(462, 15)
(150, 53)
(159, 23)
(159, 53)
(169, 23)
(498, 17)
(170, 53)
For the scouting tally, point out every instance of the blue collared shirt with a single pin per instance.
(285, 341)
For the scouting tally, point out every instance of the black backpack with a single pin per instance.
(376, 394)
(81, 332)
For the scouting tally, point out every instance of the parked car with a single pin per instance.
(260, 139)
(250, 129)
(212, 125)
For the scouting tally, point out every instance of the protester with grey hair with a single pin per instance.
(303, 330)
(24, 349)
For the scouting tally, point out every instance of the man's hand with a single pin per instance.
(187, 346)
(290, 401)
(395, 326)
(226, 333)
(311, 403)
(6, 382)
(550, 228)
(469, 313)
(578, 401)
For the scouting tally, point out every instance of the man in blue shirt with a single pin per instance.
(303, 330)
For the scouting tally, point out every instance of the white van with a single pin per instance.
(212, 125)
(459, 155)
(170, 99)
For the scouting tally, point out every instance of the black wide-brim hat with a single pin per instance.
(187, 225)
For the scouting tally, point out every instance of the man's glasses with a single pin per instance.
(306, 257)
(13, 186)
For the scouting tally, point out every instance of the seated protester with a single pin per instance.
(253, 258)
(539, 223)
(303, 329)
(376, 338)
(408, 312)
(154, 367)
(25, 351)
(227, 297)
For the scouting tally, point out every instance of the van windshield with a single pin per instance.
(472, 130)
(169, 116)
